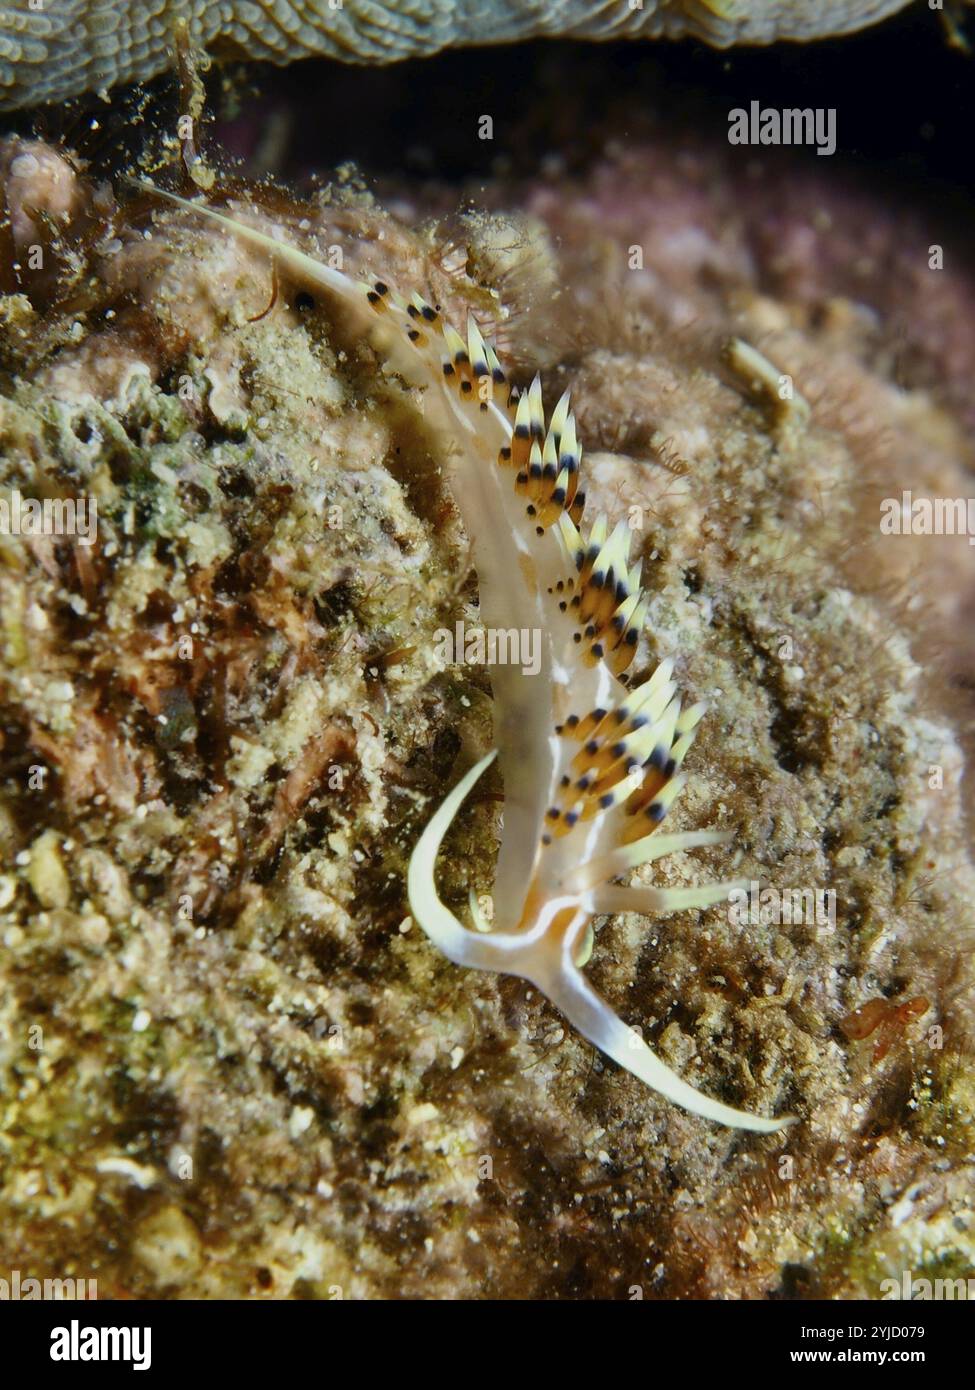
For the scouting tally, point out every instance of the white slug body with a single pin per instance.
(590, 765)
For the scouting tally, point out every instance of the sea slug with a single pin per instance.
(591, 765)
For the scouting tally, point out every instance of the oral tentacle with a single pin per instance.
(589, 1013)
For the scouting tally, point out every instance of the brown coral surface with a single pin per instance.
(231, 1065)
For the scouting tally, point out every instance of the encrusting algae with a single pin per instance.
(232, 1063)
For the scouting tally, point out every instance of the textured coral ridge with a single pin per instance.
(230, 1064)
(57, 50)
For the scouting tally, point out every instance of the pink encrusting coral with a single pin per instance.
(591, 764)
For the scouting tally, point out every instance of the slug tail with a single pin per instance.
(306, 266)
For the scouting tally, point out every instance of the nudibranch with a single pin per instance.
(51, 51)
(590, 762)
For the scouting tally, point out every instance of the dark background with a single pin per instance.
(905, 100)
(905, 104)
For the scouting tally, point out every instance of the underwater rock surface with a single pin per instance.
(231, 1066)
